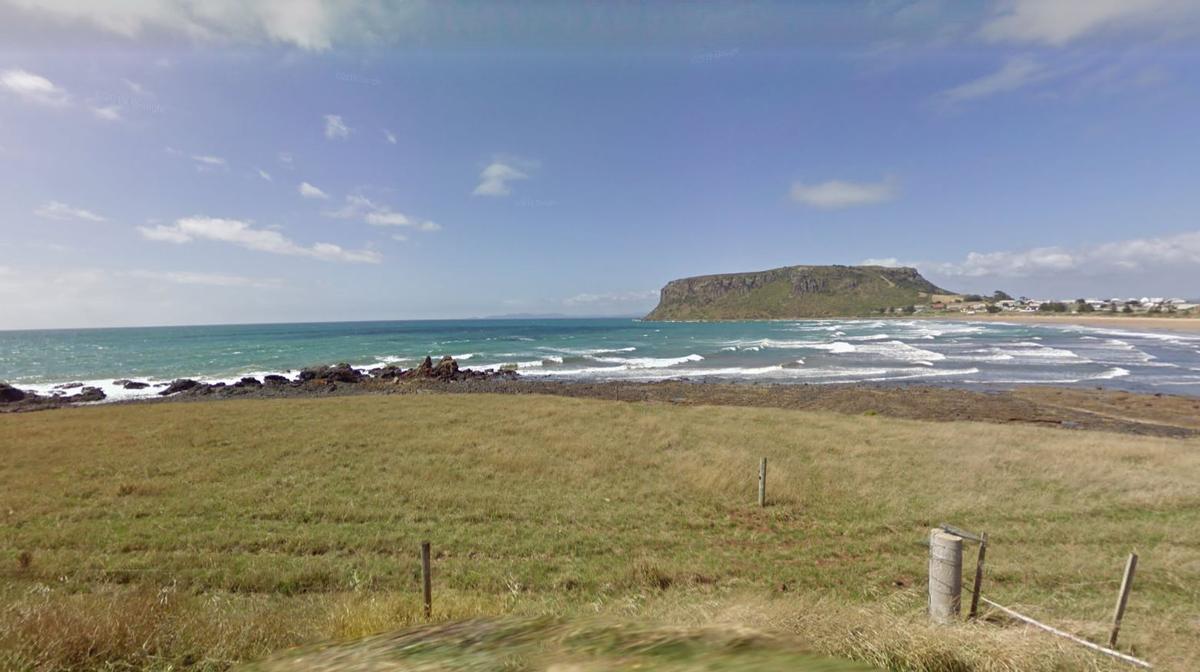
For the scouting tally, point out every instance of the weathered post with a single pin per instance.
(1122, 599)
(945, 576)
(978, 585)
(762, 482)
(426, 579)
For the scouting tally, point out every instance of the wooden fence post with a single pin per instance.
(945, 576)
(762, 482)
(977, 586)
(1123, 598)
(426, 579)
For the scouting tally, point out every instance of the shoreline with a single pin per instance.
(1075, 408)
(1175, 324)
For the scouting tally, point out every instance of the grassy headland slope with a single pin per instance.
(793, 292)
(197, 535)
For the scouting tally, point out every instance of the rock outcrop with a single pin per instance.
(338, 373)
(10, 394)
(794, 292)
(180, 385)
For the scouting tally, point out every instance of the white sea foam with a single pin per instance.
(649, 362)
(837, 347)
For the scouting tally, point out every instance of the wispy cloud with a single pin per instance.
(612, 298)
(243, 234)
(204, 162)
(62, 211)
(495, 179)
(834, 194)
(1018, 72)
(335, 128)
(264, 174)
(389, 137)
(309, 191)
(313, 25)
(135, 87)
(205, 279)
(107, 113)
(33, 88)
(1059, 22)
(377, 214)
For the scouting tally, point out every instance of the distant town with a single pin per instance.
(1000, 302)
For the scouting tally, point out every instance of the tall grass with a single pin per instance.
(196, 535)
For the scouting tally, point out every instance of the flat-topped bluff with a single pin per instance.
(794, 292)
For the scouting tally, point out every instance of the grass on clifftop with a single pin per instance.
(198, 535)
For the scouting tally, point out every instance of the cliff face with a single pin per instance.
(793, 292)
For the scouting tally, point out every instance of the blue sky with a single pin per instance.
(176, 162)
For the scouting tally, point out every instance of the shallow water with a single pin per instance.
(806, 351)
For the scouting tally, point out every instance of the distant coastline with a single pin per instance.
(1180, 324)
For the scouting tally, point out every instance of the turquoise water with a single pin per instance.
(818, 351)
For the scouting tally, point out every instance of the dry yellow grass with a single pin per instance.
(198, 535)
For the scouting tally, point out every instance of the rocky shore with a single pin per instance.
(315, 380)
(1076, 408)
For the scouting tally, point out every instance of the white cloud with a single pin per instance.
(309, 191)
(264, 174)
(286, 159)
(243, 234)
(336, 128)
(1058, 22)
(108, 113)
(307, 24)
(205, 162)
(1018, 72)
(494, 179)
(834, 194)
(378, 214)
(889, 262)
(33, 88)
(1134, 255)
(636, 297)
(62, 211)
(389, 137)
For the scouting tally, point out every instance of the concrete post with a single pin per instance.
(945, 576)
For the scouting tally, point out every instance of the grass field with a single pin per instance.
(199, 535)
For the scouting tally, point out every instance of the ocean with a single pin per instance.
(970, 354)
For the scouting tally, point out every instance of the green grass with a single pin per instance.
(198, 535)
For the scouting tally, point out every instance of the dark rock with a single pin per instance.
(88, 394)
(446, 369)
(180, 385)
(134, 385)
(68, 386)
(338, 373)
(249, 381)
(387, 372)
(10, 394)
(275, 379)
(422, 371)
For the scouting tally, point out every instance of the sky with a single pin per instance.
(196, 162)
